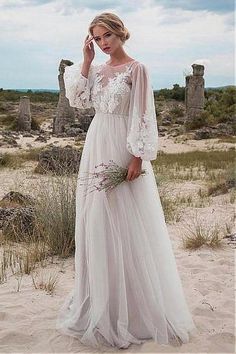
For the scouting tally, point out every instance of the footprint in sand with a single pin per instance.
(223, 315)
(205, 255)
(229, 304)
(209, 287)
(16, 337)
(216, 286)
(4, 315)
(221, 338)
(199, 266)
(223, 261)
(196, 270)
(206, 311)
(204, 290)
(218, 270)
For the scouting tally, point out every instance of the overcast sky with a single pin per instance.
(168, 36)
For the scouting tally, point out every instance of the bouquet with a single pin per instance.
(108, 178)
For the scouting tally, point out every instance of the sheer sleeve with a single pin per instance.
(142, 136)
(78, 87)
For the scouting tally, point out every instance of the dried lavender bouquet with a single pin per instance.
(108, 178)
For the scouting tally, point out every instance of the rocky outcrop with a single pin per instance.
(24, 114)
(60, 160)
(194, 92)
(64, 113)
(66, 116)
(85, 119)
(20, 222)
(17, 216)
(216, 131)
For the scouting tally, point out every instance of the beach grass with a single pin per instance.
(210, 172)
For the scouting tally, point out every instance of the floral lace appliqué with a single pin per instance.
(142, 140)
(107, 98)
(83, 97)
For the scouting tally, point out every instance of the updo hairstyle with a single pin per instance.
(113, 23)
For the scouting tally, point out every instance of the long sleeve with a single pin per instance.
(78, 87)
(142, 137)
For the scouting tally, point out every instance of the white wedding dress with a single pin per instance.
(127, 288)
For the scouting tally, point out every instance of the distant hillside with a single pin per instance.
(34, 90)
(57, 91)
(35, 96)
(219, 87)
(206, 88)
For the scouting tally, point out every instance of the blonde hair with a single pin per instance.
(113, 23)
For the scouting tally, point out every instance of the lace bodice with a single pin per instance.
(125, 90)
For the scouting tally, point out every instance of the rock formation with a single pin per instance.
(24, 114)
(65, 113)
(17, 215)
(194, 92)
(59, 160)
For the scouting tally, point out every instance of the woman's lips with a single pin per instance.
(106, 48)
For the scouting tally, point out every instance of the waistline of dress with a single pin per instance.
(99, 113)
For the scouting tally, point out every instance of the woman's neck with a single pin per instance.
(118, 57)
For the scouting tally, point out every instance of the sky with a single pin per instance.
(168, 36)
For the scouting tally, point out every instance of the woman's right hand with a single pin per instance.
(88, 50)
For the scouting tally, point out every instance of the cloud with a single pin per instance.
(168, 40)
(220, 6)
(67, 7)
(22, 3)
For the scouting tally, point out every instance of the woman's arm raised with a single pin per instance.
(78, 78)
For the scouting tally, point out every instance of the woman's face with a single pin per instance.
(106, 39)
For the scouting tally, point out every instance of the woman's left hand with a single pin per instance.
(134, 168)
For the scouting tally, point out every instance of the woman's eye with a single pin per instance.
(107, 35)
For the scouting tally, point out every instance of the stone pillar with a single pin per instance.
(24, 114)
(65, 114)
(194, 92)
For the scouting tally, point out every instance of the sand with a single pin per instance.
(28, 316)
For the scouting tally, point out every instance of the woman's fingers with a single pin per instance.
(89, 43)
(88, 48)
(88, 40)
(131, 177)
(128, 177)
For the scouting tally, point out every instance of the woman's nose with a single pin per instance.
(103, 43)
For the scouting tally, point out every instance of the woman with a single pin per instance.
(127, 287)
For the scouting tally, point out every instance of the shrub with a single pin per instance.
(177, 111)
(177, 93)
(35, 125)
(199, 121)
(221, 104)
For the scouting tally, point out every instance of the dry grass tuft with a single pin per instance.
(45, 281)
(198, 235)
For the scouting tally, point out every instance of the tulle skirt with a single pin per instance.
(127, 287)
